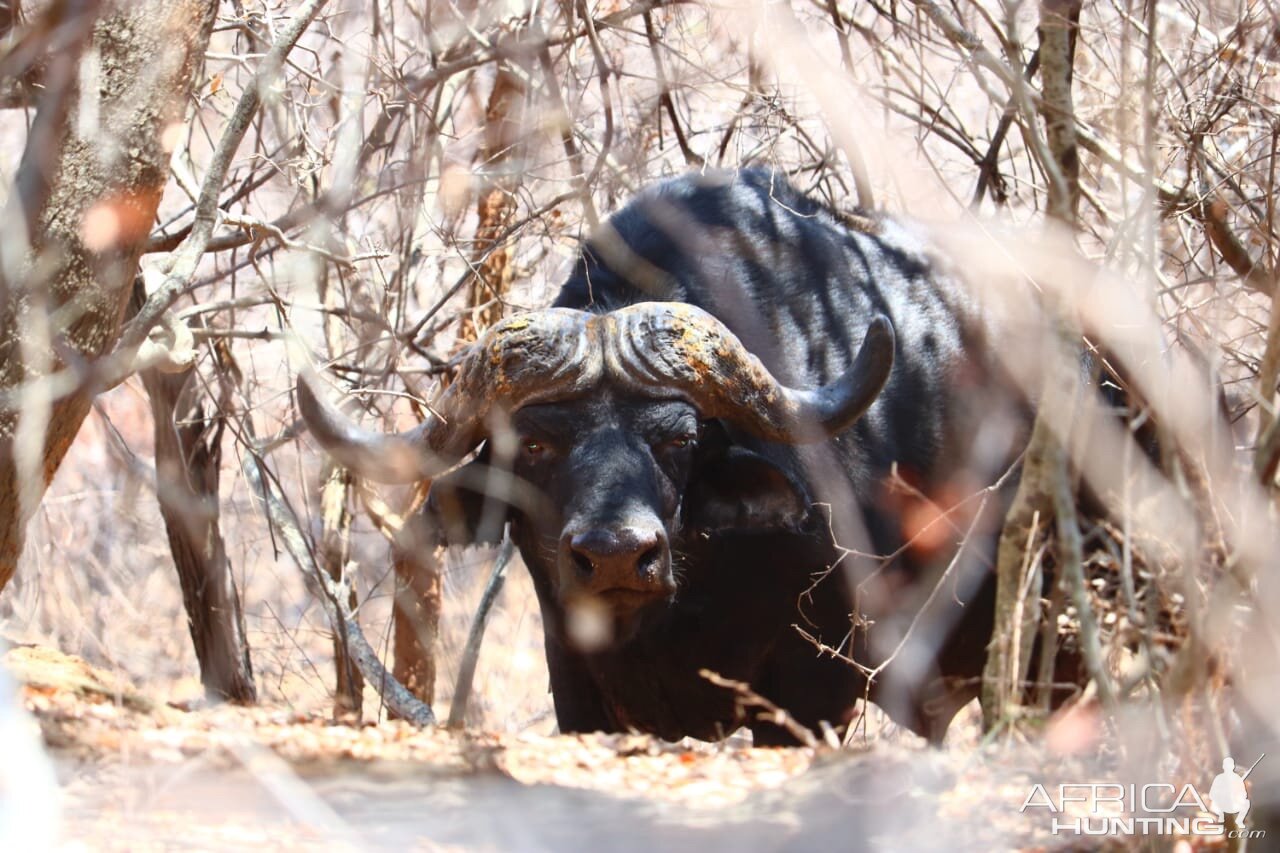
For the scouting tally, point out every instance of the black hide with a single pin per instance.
(773, 568)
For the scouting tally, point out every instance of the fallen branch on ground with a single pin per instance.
(771, 712)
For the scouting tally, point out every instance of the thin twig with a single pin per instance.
(770, 713)
(333, 596)
(188, 255)
(475, 636)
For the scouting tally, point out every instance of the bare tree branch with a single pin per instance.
(334, 596)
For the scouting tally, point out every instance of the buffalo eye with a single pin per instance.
(679, 442)
(532, 448)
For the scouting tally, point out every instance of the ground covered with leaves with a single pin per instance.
(137, 773)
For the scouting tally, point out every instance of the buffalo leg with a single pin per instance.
(580, 707)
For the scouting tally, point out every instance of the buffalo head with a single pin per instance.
(607, 435)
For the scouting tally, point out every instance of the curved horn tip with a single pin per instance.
(880, 333)
(383, 457)
(324, 420)
(313, 404)
(849, 397)
(876, 354)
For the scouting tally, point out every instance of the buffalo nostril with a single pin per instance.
(649, 562)
(583, 563)
(625, 557)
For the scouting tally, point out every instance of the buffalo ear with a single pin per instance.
(736, 489)
(462, 514)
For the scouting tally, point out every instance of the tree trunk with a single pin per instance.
(415, 614)
(419, 587)
(496, 202)
(1059, 24)
(416, 621)
(1020, 580)
(335, 552)
(188, 469)
(86, 193)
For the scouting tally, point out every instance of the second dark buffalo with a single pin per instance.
(748, 439)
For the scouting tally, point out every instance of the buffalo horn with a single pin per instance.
(529, 358)
(559, 353)
(684, 349)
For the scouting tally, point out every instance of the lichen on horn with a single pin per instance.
(560, 353)
(684, 349)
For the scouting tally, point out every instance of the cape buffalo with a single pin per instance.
(740, 441)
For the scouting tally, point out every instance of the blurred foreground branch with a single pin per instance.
(1045, 488)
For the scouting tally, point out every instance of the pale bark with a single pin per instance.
(1020, 581)
(335, 553)
(102, 170)
(1059, 22)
